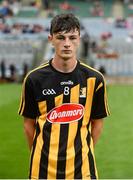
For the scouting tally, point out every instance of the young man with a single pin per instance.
(63, 103)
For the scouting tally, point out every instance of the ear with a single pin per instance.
(50, 37)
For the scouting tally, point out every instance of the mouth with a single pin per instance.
(67, 51)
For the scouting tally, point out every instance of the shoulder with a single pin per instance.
(33, 74)
(91, 72)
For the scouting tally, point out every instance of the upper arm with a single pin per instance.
(29, 121)
(97, 124)
(29, 124)
(96, 129)
(29, 129)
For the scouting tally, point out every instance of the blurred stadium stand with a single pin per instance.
(118, 56)
(28, 12)
(113, 54)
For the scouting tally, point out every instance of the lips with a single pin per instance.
(67, 51)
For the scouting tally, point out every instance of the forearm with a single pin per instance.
(29, 130)
(96, 129)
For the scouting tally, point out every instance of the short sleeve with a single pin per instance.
(28, 105)
(100, 105)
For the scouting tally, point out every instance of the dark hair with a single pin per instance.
(64, 22)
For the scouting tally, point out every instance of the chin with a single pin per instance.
(66, 57)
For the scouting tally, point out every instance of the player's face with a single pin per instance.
(65, 44)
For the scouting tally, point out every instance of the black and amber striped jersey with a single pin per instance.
(63, 105)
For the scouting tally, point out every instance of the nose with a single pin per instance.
(67, 43)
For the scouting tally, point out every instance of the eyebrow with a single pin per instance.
(61, 35)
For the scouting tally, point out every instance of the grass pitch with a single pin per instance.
(113, 151)
(13, 147)
(115, 148)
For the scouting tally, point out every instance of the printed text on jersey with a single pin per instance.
(66, 113)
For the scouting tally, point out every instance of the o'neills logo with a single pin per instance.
(66, 113)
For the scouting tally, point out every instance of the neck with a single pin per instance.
(64, 66)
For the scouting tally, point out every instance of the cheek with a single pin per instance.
(58, 47)
(75, 45)
(58, 44)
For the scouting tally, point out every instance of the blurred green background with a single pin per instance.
(113, 151)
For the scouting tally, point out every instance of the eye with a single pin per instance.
(72, 38)
(60, 37)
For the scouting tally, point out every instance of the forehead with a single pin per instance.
(70, 33)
